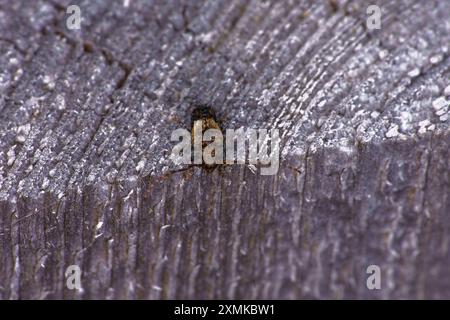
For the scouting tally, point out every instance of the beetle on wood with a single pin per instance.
(204, 118)
(207, 142)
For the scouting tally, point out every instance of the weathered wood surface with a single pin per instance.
(85, 127)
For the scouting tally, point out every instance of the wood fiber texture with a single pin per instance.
(85, 123)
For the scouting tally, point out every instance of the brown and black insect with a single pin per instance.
(203, 118)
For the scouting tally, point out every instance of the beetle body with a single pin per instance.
(203, 118)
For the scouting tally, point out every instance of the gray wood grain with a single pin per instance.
(85, 123)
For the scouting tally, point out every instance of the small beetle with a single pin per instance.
(204, 118)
